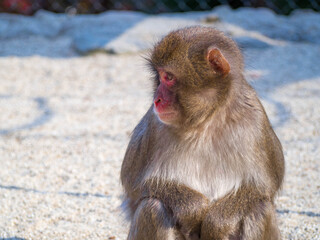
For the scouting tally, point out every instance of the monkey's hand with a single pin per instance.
(187, 206)
(246, 214)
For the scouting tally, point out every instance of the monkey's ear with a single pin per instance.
(218, 62)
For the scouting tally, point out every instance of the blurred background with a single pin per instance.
(29, 7)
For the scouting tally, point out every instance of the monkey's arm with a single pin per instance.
(244, 214)
(135, 161)
(187, 206)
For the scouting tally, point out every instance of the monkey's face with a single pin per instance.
(190, 79)
(165, 99)
(187, 95)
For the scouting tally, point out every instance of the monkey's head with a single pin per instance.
(193, 73)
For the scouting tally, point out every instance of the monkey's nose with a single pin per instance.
(157, 102)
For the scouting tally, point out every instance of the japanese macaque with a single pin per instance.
(204, 162)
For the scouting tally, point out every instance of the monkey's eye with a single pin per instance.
(169, 77)
(166, 77)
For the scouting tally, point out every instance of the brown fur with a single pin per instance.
(214, 172)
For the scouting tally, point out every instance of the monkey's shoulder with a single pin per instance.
(137, 151)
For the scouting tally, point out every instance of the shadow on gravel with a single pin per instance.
(12, 238)
(45, 116)
(280, 66)
(306, 213)
(72, 194)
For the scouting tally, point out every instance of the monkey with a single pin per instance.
(203, 162)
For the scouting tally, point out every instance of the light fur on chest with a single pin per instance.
(196, 171)
(213, 167)
(198, 166)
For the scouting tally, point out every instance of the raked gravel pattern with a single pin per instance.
(66, 119)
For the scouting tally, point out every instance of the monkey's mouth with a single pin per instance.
(166, 117)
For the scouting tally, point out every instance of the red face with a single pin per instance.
(173, 105)
(165, 98)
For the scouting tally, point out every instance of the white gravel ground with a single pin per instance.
(65, 122)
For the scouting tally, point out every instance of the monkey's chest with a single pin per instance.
(201, 171)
